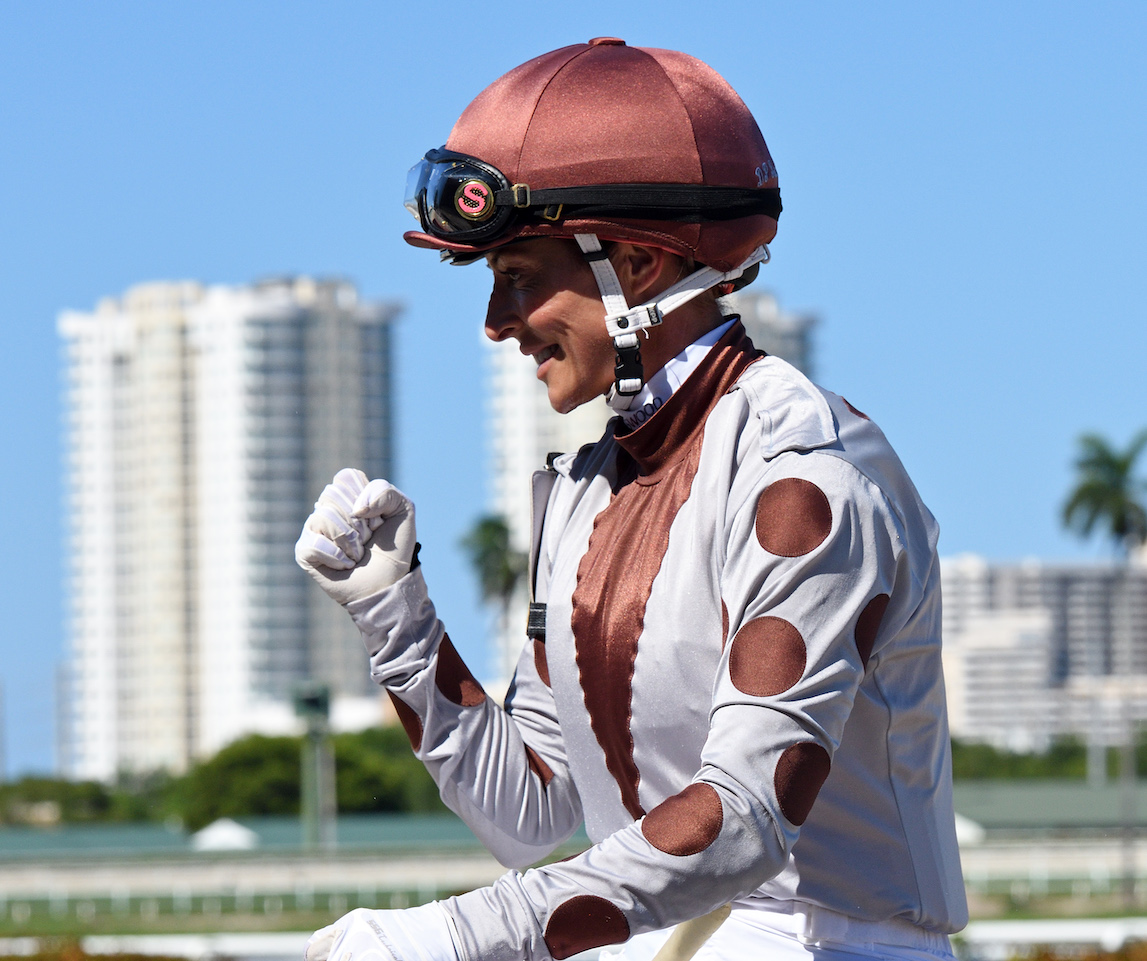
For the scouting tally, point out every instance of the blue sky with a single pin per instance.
(964, 209)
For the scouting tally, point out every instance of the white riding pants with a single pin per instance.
(765, 930)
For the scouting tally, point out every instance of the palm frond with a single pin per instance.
(1107, 494)
(499, 567)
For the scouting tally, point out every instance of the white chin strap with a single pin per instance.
(623, 322)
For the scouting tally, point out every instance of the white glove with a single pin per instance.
(360, 538)
(417, 934)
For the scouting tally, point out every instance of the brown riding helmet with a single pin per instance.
(604, 113)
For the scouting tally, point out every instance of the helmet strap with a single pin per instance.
(628, 374)
(624, 322)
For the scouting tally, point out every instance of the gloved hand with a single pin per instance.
(416, 934)
(360, 538)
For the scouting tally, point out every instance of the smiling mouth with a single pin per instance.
(543, 355)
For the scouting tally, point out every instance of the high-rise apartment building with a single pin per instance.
(523, 429)
(780, 333)
(1036, 651)
(202, 423)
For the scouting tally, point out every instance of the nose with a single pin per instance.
(502, 321)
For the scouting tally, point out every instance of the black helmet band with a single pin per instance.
(462, 199)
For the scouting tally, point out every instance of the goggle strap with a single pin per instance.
(688, 202)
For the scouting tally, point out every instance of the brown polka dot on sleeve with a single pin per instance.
(793, 517)
(453, 678)
(858, 413)
(539, 767)
(411, 722)
(686, 823)
(540, 663)
(800, 772)
(868, 624)
(767, 657)
(724, 625)
(582, 923)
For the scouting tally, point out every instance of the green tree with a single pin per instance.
(1066, 758)
(499, 567)
(256, 775)
(376, 771)
(1108, 494)
(252, 776)
(143, 796)
(43, 800)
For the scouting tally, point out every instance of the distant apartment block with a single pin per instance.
(201, 424)
(523, 429)
(1037, 651)
(778, 332)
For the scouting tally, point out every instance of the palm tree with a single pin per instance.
(499, 567)
(1108, 494)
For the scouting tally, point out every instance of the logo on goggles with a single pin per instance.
(474, 200)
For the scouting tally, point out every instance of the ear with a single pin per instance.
(644, 271)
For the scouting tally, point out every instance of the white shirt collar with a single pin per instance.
(636, 410)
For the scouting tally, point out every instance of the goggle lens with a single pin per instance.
(453, 196)
(414, 185)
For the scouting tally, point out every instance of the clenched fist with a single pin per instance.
(360, 538)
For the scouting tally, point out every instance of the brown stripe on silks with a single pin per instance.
(680, 422)
(614, 581)
(626, 549)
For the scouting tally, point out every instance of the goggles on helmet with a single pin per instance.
(466, 200)
(456, 197)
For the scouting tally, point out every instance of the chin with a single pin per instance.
(564, 401)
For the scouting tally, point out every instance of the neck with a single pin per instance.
(684, 326)
(661, 385)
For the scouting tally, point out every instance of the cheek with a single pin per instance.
(594, 362)
(563, 317)
(585, 320)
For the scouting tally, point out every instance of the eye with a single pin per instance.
(514, 277)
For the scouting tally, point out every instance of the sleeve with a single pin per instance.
(811, 552)
(502, 770)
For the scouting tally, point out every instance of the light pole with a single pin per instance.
(318, 802)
